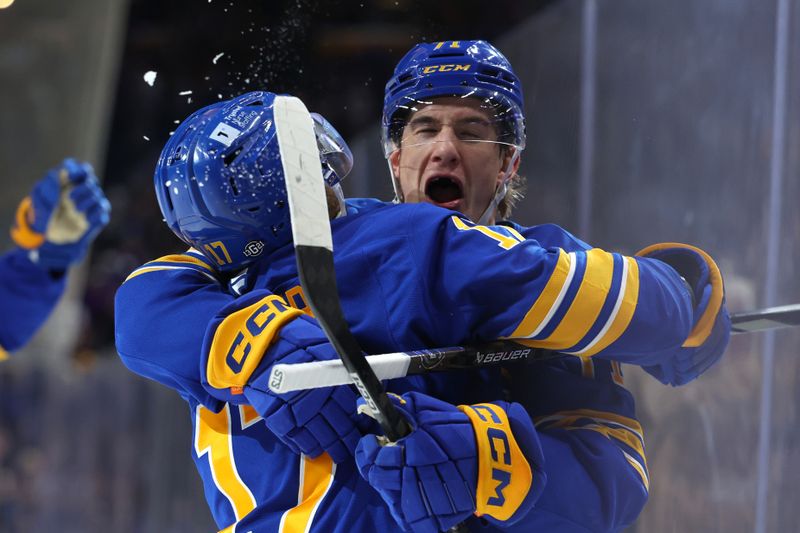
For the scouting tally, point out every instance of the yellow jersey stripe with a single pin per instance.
(213, 437)
(248, 415)
(503, 241)
(548, 301)
(586, 306)
(316, 478)
(3, 354)
(587, 350)
(145, 269)
(515, 233)
(613, 328)
(622, 315)
(186, 258)
(640, 469)
(621, 434)
(178, 260)
(630, 424)
(629, 434)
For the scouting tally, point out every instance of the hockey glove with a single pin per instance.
(258, 330)
(62, 215)
(484, 459)
(711, 326)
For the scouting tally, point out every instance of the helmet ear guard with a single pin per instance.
(220, 183)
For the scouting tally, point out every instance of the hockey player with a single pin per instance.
(53, 229)
(220, 197)
(453, 130)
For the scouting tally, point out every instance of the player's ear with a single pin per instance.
(507, 155)
(394, 161)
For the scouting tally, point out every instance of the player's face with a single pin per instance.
(449, 157)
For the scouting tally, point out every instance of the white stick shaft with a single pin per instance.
(300, 158)
(288, 378)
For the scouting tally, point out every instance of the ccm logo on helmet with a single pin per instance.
(448, 67)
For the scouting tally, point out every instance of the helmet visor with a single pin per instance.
(335, 155)
(487, 120)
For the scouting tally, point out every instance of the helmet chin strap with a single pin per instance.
(398, 192)
(500, 191)
(339, 193)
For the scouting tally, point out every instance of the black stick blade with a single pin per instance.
(763, 319)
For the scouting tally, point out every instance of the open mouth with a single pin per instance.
(444, 191)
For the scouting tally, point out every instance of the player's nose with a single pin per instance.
(445, 147)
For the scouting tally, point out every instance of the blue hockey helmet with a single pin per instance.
(468, 69)
(220, 183)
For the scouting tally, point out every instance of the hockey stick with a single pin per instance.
(287, 378)
(764, 319)
(313, 247)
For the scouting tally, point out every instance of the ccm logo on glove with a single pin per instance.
(249, 330)
(504, 475)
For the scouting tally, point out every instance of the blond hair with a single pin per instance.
(515, 191)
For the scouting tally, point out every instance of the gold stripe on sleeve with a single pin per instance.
(640, 469)
(584, 309)
(177, 261)
(623, 313)
(543, 306)
(612, 426)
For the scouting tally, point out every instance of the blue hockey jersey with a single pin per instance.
(27, 296)
(412, 276)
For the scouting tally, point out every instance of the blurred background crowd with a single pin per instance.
(647, 121)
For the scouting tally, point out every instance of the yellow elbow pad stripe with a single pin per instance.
(703, 327)
(242, 339)
(21, 232)
(504, 475)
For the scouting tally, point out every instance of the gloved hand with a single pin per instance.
(711, 326)
(484, 459)
(63, 214)
(265, 332)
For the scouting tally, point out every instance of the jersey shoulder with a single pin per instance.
(189, 262)
(160, 314)
(550, 235)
